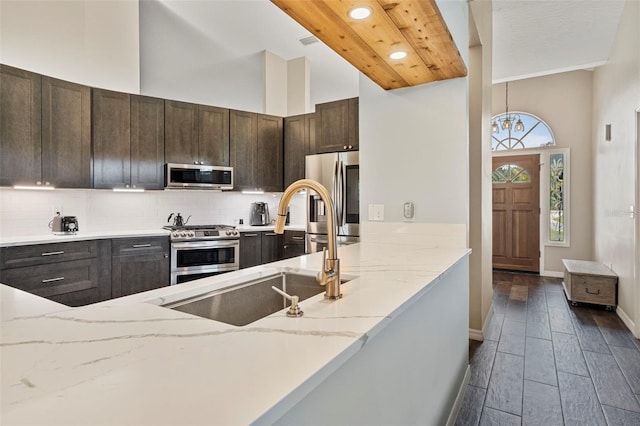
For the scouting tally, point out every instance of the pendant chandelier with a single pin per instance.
(506, 121)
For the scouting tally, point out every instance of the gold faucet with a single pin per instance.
(330, 273)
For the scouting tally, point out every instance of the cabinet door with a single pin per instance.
(293, 244)
(213, 135)
(270, 153)
(20, 120)
(332, 126)
(250, 249)
(243, 139)
(111, 119)
(66, 134)
(295, 148)
(354, 130)
(310, 135)
(147, 142)
(137, 273)
(271, 247)
(181, 132)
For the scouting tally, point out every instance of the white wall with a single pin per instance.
(563, 101)
(275, 84)
(298, 86)
(24, 212)
(90, 42)
(616, 98)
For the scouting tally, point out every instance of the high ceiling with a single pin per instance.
(531, 37)
(539, 37)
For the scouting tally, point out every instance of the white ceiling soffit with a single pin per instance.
(537, 37)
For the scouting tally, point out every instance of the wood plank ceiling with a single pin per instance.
(413, 26)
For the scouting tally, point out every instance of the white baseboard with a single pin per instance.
(476, 335)
(459, 398)
(628, 322)
(554, 274)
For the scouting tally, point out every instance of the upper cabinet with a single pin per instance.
(196, 134)
(66, 133)
(20, 127)
(337, 126)
(128, 140)
(256, 151)
(46, 131)
(299, 141)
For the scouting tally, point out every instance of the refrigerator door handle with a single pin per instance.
(341, 183)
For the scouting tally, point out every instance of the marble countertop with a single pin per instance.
(249, 228)
(131, 361)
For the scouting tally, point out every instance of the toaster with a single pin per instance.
(69, 224)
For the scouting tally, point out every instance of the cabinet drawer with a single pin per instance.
(593, 289)
(54, 279)
(42, 254)
(137, 246)
(292, 237)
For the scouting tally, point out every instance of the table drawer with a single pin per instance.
(593, 289)
(42, 254)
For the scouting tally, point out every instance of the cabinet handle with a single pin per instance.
(270, 234)
(249, 235)
(52, 253)
(141, 245)
(297, 238)
(591, 292)
(344, 147)
(50, 280)
(350, 146)
(166, 255)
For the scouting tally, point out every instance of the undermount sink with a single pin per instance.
(250, 301)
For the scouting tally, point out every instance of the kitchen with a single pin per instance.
(149, 210)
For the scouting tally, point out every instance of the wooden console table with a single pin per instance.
(590, 282)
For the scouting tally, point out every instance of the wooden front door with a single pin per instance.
(516, 213)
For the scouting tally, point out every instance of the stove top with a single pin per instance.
(202, 232)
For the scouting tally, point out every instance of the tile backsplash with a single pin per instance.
(25, 212)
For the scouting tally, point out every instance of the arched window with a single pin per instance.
(535, 133)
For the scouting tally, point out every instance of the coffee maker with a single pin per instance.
(259, 215)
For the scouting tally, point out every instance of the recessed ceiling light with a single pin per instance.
(400, 54)
(360, 12)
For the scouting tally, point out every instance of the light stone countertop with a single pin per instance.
(130, 361)
(79, 236)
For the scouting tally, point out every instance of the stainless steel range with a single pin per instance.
(200, 251)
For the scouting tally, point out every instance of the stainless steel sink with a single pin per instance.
(248, 302)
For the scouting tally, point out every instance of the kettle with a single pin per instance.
(259, 214)
(178, 220)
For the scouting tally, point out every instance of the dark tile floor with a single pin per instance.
(544, 362)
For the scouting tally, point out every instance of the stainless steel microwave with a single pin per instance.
(194, 176)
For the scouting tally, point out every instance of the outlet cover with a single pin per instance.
(376, 212)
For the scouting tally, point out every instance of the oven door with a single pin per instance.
(204, 257)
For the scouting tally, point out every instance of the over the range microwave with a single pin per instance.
(195, 176)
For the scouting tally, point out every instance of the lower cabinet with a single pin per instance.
(139, 264)
(70, 273)
(293, 244)
(257, 248)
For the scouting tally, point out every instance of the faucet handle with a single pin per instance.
(294, 309)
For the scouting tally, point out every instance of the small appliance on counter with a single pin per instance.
(259, 215)
(63, 225)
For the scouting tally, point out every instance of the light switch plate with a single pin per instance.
(376, 212)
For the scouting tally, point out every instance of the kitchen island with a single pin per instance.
(394, 349)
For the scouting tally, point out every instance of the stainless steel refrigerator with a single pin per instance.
(339, 172)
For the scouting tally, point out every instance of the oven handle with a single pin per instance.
(205, 244)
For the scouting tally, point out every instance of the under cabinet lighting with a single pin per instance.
(38, 188)
(360, 13)
(256, 192)
(128, 190)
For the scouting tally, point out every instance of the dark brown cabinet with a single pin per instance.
(299, 138)
(45, 130)
(256, 147)
(66, 134)
(20, 127)
(111, 130)
(196, 134)
(293, 245)
(128, 141)
(337, 126)
(257, 248)
(139, 264)
(72, 273)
